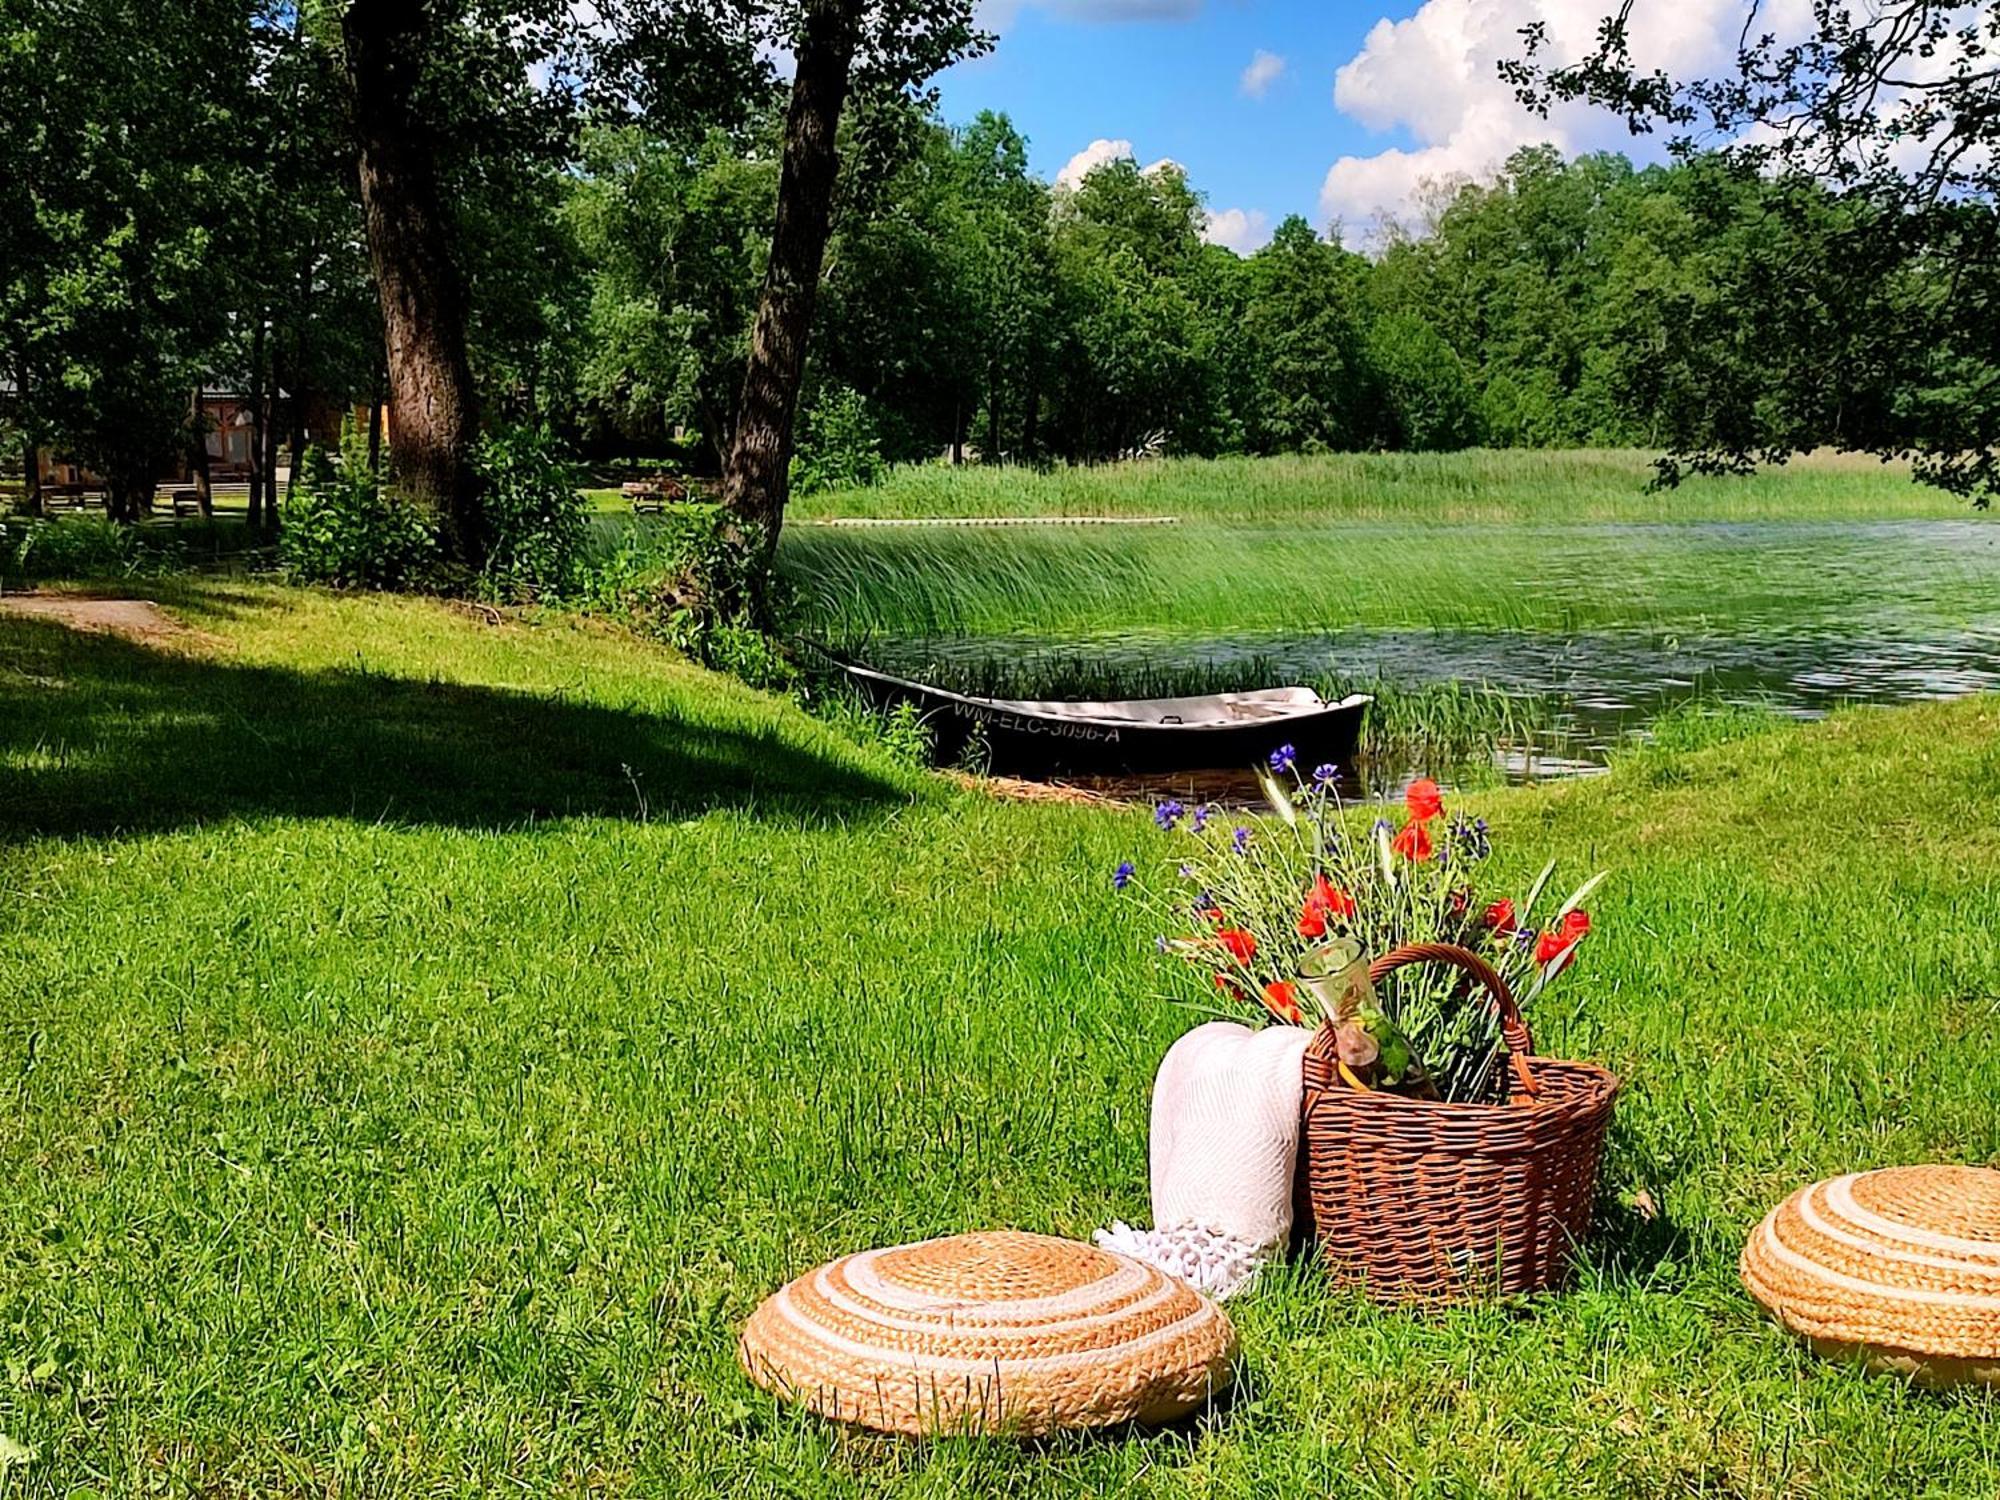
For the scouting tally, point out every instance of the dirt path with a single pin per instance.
(135, 619)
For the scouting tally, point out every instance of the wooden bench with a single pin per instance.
(187, 503)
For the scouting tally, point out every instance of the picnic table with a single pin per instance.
(652, 496)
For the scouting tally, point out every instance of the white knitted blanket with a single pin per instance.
(1225, 1136)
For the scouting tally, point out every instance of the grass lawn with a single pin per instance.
(422, 1042)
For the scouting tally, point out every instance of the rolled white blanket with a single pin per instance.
(1225, 1137)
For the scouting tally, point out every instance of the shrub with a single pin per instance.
(534, 515)
(684, 583)
(1431, 400)
(346, 528)
(838, 444)
(67, 547)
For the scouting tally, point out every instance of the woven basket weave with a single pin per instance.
(989, 1333)
(1899, 1267)
(1418, 1201)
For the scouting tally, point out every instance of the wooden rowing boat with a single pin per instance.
(1130, 736)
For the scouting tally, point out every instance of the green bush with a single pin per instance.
(534, 516)
(838, 445)
(66, 547)
(348, 529)
(1432, 404)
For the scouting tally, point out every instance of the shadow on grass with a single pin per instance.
(100, 735)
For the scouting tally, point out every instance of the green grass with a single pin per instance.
(1481, 485)
(393, 1103)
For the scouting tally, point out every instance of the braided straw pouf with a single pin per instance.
(1001, 1332)
(1899, 1267)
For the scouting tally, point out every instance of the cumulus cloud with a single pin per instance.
(1095, 155)
(1265, 69)
(1098, 152)
(1241, 230)
(1435, 74)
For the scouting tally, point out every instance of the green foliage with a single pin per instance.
(1430, 400)
(838, 446)
(347, 528)
(66, 547)
(534, 516)
(688, 583)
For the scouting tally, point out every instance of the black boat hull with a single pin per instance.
(1014, 742)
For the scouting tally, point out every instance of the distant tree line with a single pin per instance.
(487, 213)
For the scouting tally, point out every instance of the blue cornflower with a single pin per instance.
(1160, 942)
(1167, 814)
(1472, 837)
(1122, 876)
(1383, 825)
(1282, 758)
(1326, 775)
(1187, 872)
(1200, 819)
(1240, 838)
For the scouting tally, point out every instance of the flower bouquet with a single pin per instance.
(1438, 1148)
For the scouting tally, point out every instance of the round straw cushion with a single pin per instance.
(1000, 1332)
(1900, 1267)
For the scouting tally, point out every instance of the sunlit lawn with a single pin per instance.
(422, 1042)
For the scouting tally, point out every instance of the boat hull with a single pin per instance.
(1017, 741)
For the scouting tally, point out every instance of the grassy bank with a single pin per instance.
(1481, 485)
(1554, 542)
(423, 1041)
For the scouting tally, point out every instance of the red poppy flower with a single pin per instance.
(1324, 900)
(1281, 999)
(1413, 843)
(1231, 988)
(1241, 945)
(1211, 914)
(1500, 915)
(1330, 898)
(1423, 800)
(1551, 946)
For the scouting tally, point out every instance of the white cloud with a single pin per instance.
(1265, 69)
(1096, 154)
(1241, 230)
(1435, 74)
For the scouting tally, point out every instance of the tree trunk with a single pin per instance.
(254, 458)
(434, 416)
(198, 455)
(755, 481)
(375, 399)
(1031, 413)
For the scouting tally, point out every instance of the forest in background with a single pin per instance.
(195, 223)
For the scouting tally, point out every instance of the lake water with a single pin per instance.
(1817, 615)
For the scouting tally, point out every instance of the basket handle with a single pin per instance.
(1514, 1033)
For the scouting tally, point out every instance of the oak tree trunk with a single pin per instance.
(434, 416)
(756, 480)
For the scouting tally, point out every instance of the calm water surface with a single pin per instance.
(1897, 612)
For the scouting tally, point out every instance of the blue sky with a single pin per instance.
(1354, 108)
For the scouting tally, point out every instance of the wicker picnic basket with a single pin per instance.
(1414, 1200)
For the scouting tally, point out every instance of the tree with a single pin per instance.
(434, 409)
(1893, 111)
(118, 155)
(885, 45)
